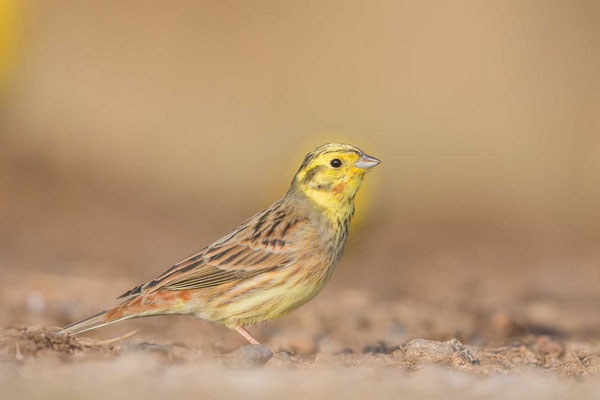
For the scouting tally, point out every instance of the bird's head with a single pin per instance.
(332, 173)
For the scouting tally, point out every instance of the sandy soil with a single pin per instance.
(37, 363)
(349, 344)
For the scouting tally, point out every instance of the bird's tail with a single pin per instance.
(86, 324)
(126, 310)
(143, 305)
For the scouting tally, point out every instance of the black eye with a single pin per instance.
(336, 163)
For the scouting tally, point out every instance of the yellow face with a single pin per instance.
(331, 174)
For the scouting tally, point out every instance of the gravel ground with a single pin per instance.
(37, 363)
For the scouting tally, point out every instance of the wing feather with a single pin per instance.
(263, 243)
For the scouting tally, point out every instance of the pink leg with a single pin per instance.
(246, 334)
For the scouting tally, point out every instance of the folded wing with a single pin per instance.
(263, 243)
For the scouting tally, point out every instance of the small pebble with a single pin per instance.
(249, 356)
(419, 351)
(280, 360)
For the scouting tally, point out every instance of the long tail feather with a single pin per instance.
(126, 310)
(136, 307)
(92, 322)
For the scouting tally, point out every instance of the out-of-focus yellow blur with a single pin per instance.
(8, 38)
(197, 114)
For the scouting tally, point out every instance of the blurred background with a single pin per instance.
(134, 133)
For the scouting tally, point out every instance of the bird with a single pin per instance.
(271, 264)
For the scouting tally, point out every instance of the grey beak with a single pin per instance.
(366, 161)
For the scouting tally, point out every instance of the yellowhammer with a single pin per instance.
(271, 264)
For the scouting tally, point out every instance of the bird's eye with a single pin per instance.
(336, 163)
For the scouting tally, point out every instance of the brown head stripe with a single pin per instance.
(311, 173)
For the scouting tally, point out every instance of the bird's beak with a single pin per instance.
(366, 161)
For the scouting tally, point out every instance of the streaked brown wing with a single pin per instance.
(263, 243)
(245, 261)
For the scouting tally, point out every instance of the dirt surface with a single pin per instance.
(23, 345)
(34, 359)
